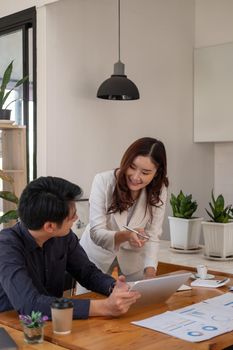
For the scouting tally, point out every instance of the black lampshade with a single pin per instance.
(118, 87)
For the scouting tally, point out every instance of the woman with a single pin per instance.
(135, 195)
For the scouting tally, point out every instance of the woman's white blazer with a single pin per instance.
(98, 237)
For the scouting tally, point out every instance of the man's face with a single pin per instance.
(67, 223)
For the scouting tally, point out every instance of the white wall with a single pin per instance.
(79, 135)
(86, 135)
(214, 25)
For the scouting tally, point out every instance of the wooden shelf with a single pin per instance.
(11, 126)
(14, 170)
(13, 150)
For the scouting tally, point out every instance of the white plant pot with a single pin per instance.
(218, 239)
(185, 233)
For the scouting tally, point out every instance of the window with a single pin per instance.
(18, 43)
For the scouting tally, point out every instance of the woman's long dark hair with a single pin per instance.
(145, 146)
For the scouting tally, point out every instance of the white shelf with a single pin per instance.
(192, 260)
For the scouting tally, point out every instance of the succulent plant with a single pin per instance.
(219, 213)
(34, 320)
(183, 206)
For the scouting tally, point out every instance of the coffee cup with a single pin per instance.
(62, 315)
(202, 271)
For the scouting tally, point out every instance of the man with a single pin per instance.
(38, 250)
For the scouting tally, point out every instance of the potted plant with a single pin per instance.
(4, 94)
(218, 232)
(33, 327)
(8, 196)
(185, 230)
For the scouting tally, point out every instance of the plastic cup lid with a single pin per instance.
(62, 303)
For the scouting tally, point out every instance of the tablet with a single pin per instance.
(6, 342)
(157, 290)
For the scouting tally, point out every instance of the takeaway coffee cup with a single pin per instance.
(202, 271)
(62, 315)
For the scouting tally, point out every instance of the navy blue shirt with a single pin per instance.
(31, 277)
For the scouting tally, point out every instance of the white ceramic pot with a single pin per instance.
(185, 233)
(218, 239)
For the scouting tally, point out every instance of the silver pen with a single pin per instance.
(139, 234)
(222, 281)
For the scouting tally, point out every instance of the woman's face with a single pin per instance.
(139, 174)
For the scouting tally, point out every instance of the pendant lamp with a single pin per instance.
(118, 86)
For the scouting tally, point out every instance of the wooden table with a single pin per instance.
(100, 333)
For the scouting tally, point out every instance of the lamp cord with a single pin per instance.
(119, 30)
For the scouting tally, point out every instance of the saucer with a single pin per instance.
(218, 258)
(186, 251)
(208, 276)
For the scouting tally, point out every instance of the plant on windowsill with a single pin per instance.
(218, 232)
(185, 230)
(4, 94)
(8, 196)
(33, 327)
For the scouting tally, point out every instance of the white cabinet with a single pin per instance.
(213, 93)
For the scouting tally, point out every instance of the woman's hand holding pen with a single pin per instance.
(149, 272)
(134, 240)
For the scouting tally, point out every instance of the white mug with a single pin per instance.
(202, 271)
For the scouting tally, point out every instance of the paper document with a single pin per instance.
(209, 283)
(183, 287)
(225, 300)
(195, 322)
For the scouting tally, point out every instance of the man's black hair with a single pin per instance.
(47, 199)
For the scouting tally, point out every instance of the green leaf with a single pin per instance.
(9, 196)
(210, 215)
(21, 81)
(5, 81)
(8, 216)
(212, 196)
(219, 204)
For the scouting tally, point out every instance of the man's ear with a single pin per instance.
(50, 227)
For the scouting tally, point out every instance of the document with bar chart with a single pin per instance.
(196, 322)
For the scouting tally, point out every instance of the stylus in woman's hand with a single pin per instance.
(139, 234)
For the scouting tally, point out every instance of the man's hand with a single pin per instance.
(121, 299)
(117, 303)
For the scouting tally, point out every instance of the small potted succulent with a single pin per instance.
(185, 230)
(218, 232)
(5, 91)
(10, 197)
(33, 327)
